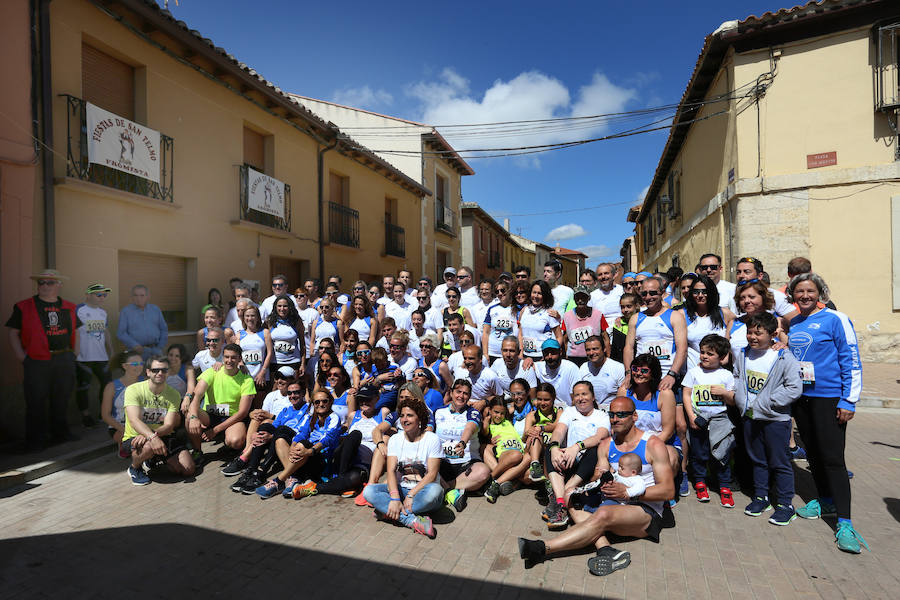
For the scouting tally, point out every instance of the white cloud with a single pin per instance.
(530, 95)
(363, 97)
(565, 232)
(598, 253)
(642, 193)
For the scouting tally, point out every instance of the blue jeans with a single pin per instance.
(429, 498)
(700, 454)
(767, 447)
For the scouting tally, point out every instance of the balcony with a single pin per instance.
(394, 240)
(444, 219)
(263, 218)
(343, 225)
(78, 167)
(494, 259)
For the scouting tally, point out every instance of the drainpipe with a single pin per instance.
(321, 174)
(47, 136)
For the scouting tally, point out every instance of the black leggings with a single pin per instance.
(584, 465)
(824, 439)
(264, 457)
(347, 476)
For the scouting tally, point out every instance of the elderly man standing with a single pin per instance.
(42, 333)
(142, 327)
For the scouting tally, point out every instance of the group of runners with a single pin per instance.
(611, 400)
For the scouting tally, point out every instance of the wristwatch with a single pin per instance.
(581, 445)
(672, 374)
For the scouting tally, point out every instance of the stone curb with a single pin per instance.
(42, 468)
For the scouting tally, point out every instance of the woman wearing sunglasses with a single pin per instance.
(429, 345)
(309, 316)
(363, 363)
(328, 325)
(703, 316)
(684, 289)
(112, 407)
(427, 382)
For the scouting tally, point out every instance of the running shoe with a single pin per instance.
(815, 509)
(590, 485)
(305, 490)
(849, 474)
(608, 559)
(492, 492)
(198, 457)
(457, 499)
(726, 497)
(270, 488)
(673, 502)
(685, 487)
(424, 526)
(254, 482)
(235, 467)
(241, 481)
(349, 493)
(797, 453)
(560, 519)
(783, 515)
(137, 476)
(759, 505)
(289, 485)
(848, 539)
(536, 471)
(361, 500)
(702, 492)
(507, 488)
(550, 510)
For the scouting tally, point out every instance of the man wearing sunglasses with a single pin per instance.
(212, 354)
(605, 297)
(94, 348)
(279, 288)
(711, 266)
(43, 336)
(639, 516)
(439, 295)
(659, 331)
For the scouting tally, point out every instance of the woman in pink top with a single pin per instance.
(581, 323)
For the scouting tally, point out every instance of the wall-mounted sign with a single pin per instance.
(118, 143)
(265, 194)
(824, 159)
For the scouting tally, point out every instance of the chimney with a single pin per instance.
(506, 224)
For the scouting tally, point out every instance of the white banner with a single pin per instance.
(265, 194)
(118, 143)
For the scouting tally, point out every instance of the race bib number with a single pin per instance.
(450, 450)
(503, 324)
(807, 372)
(154, 416)
(219, 410)
(95, 326)
(510, 444)
(656, 349)
(755, 381)
(580, 335)
(701, 396)
(284, 347)
(529, 345)
(545, 437)
(251, 357)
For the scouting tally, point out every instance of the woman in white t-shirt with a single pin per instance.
(413, 461)
(538, 322)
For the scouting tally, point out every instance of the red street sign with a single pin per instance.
(825, 159)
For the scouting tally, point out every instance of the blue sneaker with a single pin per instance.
(783, 515)
(849, 474)
(289, 484)
(759, 505)
(815, 509)
(272, 487)
(797, 453)
(847, 539)
(137, 476)
(685, 489)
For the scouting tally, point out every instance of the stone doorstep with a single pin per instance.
(878, 402)
(42, 468)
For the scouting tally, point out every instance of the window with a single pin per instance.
(107, 82)
(661, 217)
(254, 150)
(443, 212)
(442, 261)
(887, 67)
(676, 197)
(483, 234)
(338, 189)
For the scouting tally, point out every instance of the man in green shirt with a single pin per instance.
(151, 416)
(229, 393)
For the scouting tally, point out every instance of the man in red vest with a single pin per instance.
(43, 336)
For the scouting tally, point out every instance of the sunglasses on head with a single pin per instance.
(620, 414)
(748, 281)
(134, 364)
(101, 294)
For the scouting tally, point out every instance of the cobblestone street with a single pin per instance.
(87, 532)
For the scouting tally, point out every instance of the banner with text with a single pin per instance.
(118, 143)
(265, 194)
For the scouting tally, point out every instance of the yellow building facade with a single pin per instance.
(784, 147)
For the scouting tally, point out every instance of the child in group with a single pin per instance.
(388, 377)
(767, 383)
(520, 405)
(627, 472)
(539, 426)
(629, 304)
(505, 455)
(706, 389)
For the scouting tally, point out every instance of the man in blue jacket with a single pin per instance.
(142, 327)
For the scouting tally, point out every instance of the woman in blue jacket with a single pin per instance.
(824, 343)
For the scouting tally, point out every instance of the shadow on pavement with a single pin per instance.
(173, 560)
(893, 507)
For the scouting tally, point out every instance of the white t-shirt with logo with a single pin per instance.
(581, 427)
(92, 334)
(562, 379)
(412, 457)
(700, 381)
(606, 380)
(505, 375)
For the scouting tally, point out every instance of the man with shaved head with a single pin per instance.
(640, 516)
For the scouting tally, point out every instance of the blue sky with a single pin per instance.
(451, 63)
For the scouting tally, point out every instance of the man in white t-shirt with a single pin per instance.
(485, 300)
(509, 367)
(605, 297)
(711, 266)
(94, 348)
(212, 354)
(241, 291)
(279, 288)
(467, 288)
(485, 384)
(749, 269)
(439, 295)
(562, 374)
(562, 294)
(455, 360)
(237, 325)
(605, 374)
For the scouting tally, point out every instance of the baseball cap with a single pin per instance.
(366, 392)
(287, 371)
(630, 274)
(645, 273)
(582, 289)
(506, 275)
(96, 287)
(449, 271)
(550, 344)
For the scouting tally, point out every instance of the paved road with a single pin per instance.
(88, 532)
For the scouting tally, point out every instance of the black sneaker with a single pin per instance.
(507, 488)
(253, 482)
(492, 492)
(759, 505)
(238, 485)
(608, 559)
(551, 509)
(235, 467)
(560, 519)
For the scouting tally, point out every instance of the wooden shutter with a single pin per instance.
(107, 82)
(164, 276)
(254, 150)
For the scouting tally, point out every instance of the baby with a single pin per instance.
(629, 474)
(588, 497)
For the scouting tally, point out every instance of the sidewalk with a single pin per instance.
(881, 385)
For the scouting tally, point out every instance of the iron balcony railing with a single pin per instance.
(444, 218)
(394, 240)
(343, 225)
(77, 164)
(261, 218)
